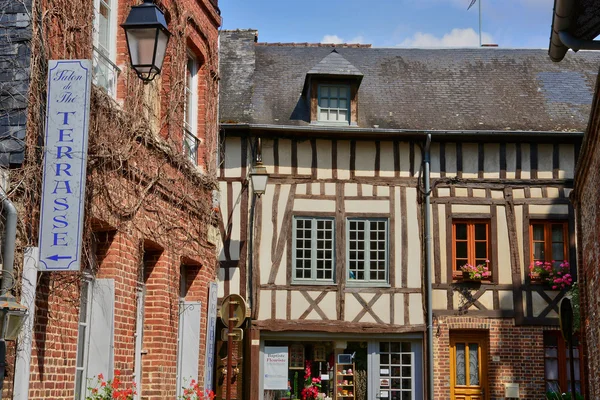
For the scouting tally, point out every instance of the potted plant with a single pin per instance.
(476, 273)
(101, 389)
(311, 385)
(558, 277)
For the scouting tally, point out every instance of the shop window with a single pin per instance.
(105, 69)
(190, 112)
(556, 365)
(313, 250)
(367, 250)
(470, 244)
(548, 241)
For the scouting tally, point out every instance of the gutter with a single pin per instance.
(560, 38)
(428, 289)
(8, 247)
(420, 134)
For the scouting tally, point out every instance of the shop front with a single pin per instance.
(358, 367)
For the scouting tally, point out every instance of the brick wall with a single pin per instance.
(147, 216)
(515, 355)
(587, 203)
(15, 53)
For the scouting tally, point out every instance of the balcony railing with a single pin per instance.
(105, 72)
(190, 146)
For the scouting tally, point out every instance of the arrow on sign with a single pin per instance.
(56, 257)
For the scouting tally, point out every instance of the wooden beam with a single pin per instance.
(283, 235)
(279, 325)
(313, 305)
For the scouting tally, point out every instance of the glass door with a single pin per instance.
(468, 369)
(395, 370)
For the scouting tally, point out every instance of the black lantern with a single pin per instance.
(147, 37)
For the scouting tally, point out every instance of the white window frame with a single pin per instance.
(106, 58)
(314, 248)
(367, 281)
(81, 383)
(333, 109)
(190, 111)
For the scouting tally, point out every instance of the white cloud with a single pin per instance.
(456, 38)
(332, 39)
(335, 39)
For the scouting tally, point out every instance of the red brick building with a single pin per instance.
(580, 26)
(138, 307)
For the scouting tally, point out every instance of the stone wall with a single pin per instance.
(15, 55)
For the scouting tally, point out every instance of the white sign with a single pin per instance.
(276, 368)
(65, 156)
(211, 327)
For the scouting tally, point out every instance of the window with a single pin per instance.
(367, 251)
(82, 339)
(313, 251)
(95, 339)
(396, 370)
(334, 104)
(105, 69)
(556, 362)
(549, 241)
(471, 242)
(190, 112)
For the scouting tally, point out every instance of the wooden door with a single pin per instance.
(468, 366)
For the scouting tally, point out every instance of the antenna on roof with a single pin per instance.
(468, 8)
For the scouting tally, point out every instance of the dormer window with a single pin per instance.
(331, 90)
(333, 103)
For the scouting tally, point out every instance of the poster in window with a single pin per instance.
(276, 374)
(296, 356)
(319, 353)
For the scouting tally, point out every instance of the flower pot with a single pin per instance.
(467, 278)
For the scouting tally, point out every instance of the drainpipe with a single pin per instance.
(8, 247)
(427, 231)
(8, 259)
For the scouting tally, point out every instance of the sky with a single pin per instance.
(394, 23)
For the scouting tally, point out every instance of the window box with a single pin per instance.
(549, 248)
(471, 247)
(535, 278)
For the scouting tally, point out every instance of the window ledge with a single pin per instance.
(354, 283)
(332, 123)
(314, 283)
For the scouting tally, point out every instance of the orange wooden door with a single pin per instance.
(468, 366)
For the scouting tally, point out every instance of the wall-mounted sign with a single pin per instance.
(276, 364)
(211, 326)
(65, 157)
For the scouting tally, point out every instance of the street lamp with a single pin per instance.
(147, 37)
(259, 178)
(12, 316)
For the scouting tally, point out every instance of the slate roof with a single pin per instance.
(437, 89)
(334, 64)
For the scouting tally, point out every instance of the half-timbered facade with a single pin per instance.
(333, 258)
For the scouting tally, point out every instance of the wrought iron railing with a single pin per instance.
(190, 146)
(105, 72)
